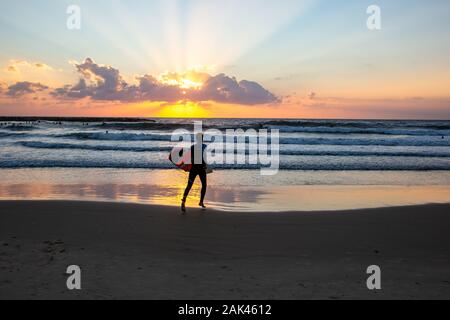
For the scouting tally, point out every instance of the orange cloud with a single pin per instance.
(32, 71)
(23, 66)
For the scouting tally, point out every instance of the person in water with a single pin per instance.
(199, 168)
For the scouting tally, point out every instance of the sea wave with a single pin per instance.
(311, 166)
(344, 153)
(11, 135)
(388, 124)
(103, 136)
(148, 126)
(289, 126)
(18, 128)
(401, 142)
(140, 149)
(370, 131)
(49, 145)
(394, 141)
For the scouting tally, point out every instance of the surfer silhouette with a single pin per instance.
(200, 169)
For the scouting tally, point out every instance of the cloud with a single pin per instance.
(105, 83)
(23, 88)
(222, 88)
(312, 95)
(97, 82)
(39, 72)
(16, 66)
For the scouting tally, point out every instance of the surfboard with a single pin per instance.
(181, 158)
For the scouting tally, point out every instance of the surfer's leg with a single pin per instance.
(204, 180)
(192, 175)
(186, 192)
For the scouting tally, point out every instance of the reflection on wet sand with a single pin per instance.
(218, 197)
(227, 190)
(294, 198)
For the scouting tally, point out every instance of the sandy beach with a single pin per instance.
(130, 251)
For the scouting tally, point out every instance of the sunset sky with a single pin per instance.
(246, 58)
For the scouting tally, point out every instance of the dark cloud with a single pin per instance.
(222, 88)
(104, 83)
(107, 82)
(22, 88)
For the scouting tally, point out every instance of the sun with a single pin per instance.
(188, 84)
(190, 80)
(184, 109)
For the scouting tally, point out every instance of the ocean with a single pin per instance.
(304, 144)
(82, 158)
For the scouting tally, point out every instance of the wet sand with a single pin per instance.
(128, 251)
(231, 190)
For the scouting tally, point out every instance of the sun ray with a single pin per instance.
(214, 37)
(153, 60)
(117, 42)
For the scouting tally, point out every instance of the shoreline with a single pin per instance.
(133, 251)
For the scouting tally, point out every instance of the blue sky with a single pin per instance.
(292, 48)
